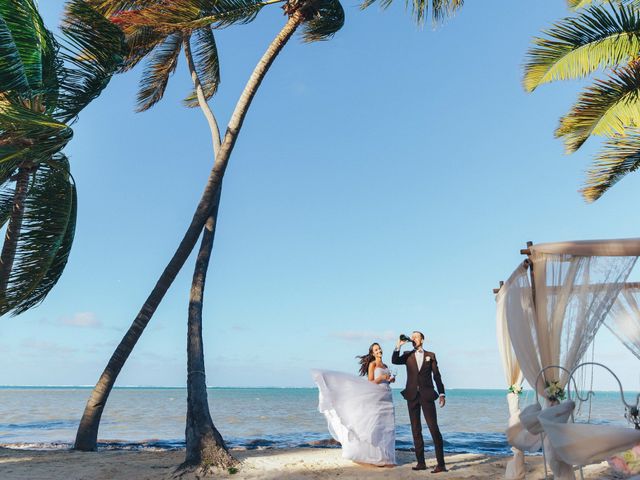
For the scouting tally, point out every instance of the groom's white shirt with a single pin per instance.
(419, 358)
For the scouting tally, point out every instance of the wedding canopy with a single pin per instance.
(555, 302)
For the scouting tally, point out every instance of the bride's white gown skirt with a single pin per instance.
(360, 416)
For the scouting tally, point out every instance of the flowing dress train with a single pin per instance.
(360, 415)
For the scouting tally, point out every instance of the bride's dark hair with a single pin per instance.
(365, 360)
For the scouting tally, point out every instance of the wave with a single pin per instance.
(454, 443)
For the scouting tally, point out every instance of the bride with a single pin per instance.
(360, 412)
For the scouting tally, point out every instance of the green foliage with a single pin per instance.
(162, 63)
(606, 108)
(440, 9)
(325, 21)
(605, 35)
(43, 86)
(207, 65)
(576, 46)
(619, 156)
(46, 236)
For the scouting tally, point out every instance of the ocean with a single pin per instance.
(473, 421)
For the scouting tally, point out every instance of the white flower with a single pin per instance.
(427, 358)
(515, 388)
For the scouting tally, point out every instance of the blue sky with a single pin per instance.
(384, 181)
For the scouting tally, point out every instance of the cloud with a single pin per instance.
(368, 335)
(82, 320)
(41, 346)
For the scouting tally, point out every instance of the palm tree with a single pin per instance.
(147, 26)
(43, 87)
(603, 35)
(175, 21)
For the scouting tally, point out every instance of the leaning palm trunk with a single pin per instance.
(13, 230)
(205, 446)
(87, 435)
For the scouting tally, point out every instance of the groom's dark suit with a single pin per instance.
(420, 393)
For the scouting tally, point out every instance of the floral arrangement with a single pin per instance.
(627, 462)
(515, 388)
(554, 391)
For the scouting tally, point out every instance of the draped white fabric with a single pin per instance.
(624, 318)
(554, 322)
(582, 443)
(513, 376)
(573, 295)
(510, 365)
(521, 323)
(517, 433)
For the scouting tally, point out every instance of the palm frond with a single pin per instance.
(60, 186)
(12, 74)
(224, 13)
(6, 202)
(163, 16)
(140, 42)
(440, 9)
(606, 108)
(619, 156)
(600, 36)
(578, 4)
(162, 64)
(29, 136)
(109, 7)
(326, 20)
(48, 224)
(93, 51)
(207, 65)
(29, 34)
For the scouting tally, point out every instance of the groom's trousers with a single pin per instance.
(429, 410)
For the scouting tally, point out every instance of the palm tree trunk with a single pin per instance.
(87, 435)
(14, 226)
(205, 447)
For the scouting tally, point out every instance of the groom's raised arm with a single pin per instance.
(398, 359)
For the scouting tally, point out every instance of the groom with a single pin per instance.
(419, 393)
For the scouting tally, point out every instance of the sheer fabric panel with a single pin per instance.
(624, 318)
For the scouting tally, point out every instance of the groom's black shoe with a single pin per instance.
(439, 468)
(420, 466)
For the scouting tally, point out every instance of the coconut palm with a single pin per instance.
(150, 27)
(43, 87)
(161, 34)
(602, 35)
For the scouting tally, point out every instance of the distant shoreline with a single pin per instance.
(155, 387)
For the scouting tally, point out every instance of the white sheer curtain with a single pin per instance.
(573, 295)
(514, 311)
(624, 318)
(513, 376)
(553, 321)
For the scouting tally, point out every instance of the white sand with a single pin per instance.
(285, 464)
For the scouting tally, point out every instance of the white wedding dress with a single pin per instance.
(359, 414)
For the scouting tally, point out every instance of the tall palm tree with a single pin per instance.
(146, 25)
(161, 33)
(602, 35)
(43, 87)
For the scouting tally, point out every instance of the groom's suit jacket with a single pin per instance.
(420, 382)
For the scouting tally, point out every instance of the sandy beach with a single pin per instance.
(268, 464)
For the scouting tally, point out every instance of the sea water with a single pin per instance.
(473, 421)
